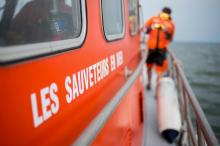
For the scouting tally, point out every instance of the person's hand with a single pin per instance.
(156, 26)
(163, 27)
(159, 26)
(148, 30)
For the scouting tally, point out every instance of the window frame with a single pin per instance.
(27, 51)
(134, 33)
(118, 36)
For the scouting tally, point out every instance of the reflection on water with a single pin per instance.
(201, 63)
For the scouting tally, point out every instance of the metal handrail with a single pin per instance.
(89, 134)
(204, 133)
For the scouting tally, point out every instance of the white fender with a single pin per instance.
(169, 119)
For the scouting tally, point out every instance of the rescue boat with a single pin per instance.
(72, 72)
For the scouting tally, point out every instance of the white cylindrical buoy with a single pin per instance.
(169, 119)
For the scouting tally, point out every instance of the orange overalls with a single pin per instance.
(160, 35)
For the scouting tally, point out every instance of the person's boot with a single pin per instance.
(148, 86)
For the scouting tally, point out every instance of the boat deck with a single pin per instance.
(152, 136)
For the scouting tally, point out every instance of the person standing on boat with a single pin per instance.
(160, 30)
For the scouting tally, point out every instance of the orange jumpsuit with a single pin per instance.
(159, 38)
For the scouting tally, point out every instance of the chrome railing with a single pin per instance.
(197, 132)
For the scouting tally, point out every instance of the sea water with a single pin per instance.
(201, 63)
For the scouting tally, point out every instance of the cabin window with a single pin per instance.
(133, 16)
(50, 24)
(113, 20)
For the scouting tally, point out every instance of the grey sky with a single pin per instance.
(196, 20)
